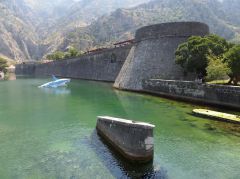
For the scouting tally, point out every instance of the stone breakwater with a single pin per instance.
(220, 95)
(134, 140)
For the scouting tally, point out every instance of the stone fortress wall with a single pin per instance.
(133, 67)
(153, 54)
(100, 66)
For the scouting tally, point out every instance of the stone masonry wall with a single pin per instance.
(221, 95)
(102, 66)
(153, 54)
(134, 140)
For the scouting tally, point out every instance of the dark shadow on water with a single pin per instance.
(217, 126)
(11, 77)
(120, 167)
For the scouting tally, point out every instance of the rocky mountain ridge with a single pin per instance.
(122, 23)
(30, 29)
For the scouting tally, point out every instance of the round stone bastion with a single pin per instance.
(153, 54)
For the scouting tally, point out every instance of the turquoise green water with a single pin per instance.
(50, 133)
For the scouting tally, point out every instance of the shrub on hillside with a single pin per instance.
(3, 65)
(59, 55)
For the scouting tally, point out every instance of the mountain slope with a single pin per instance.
(122, 23)
(78, 17)
(23, 27)
(29, 29)
(18, 38)
(89, 10)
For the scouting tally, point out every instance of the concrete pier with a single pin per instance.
(134, 140)
(217, 115)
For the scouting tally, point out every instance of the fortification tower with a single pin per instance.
(153, 54)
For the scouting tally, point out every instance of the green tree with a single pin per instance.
(50, 57)
(232, 58)
(58, 55)
(193, 54)
(80, 53)
(217, 69)
(3, 65)
(72, 52)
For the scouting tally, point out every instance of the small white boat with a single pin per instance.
(56, 83)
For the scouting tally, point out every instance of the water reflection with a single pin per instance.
(11, 76)
(120, 167)
(56, 91)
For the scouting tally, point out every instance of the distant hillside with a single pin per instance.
(17, 36)
(232, 11)
(29, 29)
(121, 24)
(78, 17)
(87, 11)
(23, 27)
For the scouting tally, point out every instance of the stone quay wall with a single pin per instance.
(100, 66)
(220, 95)
(153, 54)
(134, 140)
(25, 69)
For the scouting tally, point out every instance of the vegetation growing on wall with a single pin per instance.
(3, 65)
(59, 55)
(210, 57)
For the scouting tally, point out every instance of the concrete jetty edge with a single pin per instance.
(133, 140)
(217, 115)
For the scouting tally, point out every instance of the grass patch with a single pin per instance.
(220, 82)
